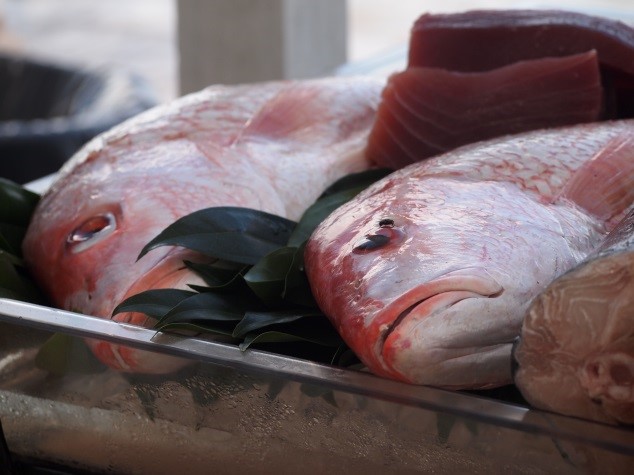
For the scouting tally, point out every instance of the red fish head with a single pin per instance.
(84, 241)
(427, 279)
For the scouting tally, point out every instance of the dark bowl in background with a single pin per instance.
(48, 111)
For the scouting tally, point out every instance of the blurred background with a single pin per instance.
(142, 35)
(70, 69)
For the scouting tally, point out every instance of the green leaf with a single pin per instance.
(308, 327)
(202, 327)
(279, 278)
(253, 321)
(16, 203)
(11, 236)
(219, 276)
(208, 307)
(14, 283)
(296, 286)
(234, 234)
(267, 278)
(11, 258)
(154, 302)
(339, 193)
(62, 354)
(268, 337)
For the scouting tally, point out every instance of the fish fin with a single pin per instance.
(604, 186)
(306, 110)
(286, 114)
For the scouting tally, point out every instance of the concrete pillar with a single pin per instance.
(239, 41)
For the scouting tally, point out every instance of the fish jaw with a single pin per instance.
(132, 360)
(169, 273)
(410, 334)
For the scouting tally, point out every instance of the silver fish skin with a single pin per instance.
(269, 146)
(428, 274)
(575, 355)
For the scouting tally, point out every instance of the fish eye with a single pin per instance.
(371, 242)
(386, 234)
(91, 231)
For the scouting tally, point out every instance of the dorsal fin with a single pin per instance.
(285, 114)
(604, 185)
(315, 108)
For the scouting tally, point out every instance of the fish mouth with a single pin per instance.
(169, 272)
(437, 295)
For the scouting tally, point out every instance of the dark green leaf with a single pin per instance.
(310, 328)
(219, 276)
(16, 203)
(14, 283)
(11, 236)
(253, 321)
(62, 354)
(153, 303)
(280, 276)
(296, 287)
(11, 258)
(218, 328)
(208, 307)
(268, 337)
(234, 234)
(337, 194)
(267, 278)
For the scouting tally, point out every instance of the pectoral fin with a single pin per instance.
(604, 186)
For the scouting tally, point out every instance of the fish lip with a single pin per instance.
(440, 294)
(169, 265)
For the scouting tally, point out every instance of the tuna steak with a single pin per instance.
(576, 351)
(481, 74)
(428, 273)
(272, 147)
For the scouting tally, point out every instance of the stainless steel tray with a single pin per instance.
(266, 413)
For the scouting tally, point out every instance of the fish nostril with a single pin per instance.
(91, 231)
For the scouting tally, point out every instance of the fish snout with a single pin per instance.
(132, 360)
(169, 272)
(427, 344)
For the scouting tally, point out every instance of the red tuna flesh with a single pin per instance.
(487, 48)
(487, 39)
(427, 111)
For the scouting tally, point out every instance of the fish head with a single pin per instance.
(86, 235)
(427, 279)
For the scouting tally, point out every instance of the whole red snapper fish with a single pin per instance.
(272, 147)
(428, 273)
